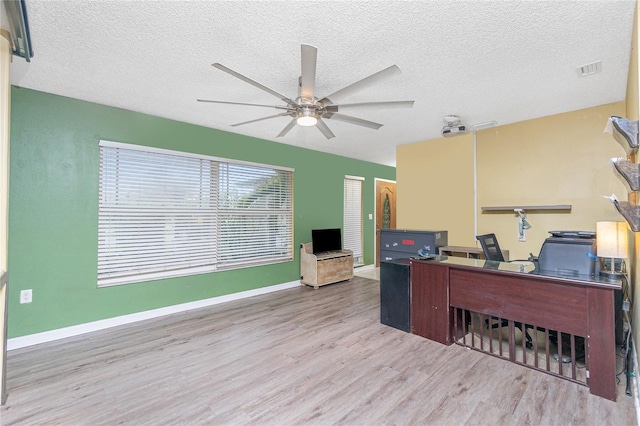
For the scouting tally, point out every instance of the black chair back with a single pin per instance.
(490, 247)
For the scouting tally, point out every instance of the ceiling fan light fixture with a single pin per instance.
(307, 109)
(307, 121)
(307, 117)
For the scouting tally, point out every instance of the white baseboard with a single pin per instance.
(365, 268)
(76, 330)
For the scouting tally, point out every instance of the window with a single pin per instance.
(353, 217)
(166, 214)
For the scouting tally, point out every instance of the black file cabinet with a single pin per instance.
(399, 244)
(395, 294)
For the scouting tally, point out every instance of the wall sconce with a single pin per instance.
(612, 244)
(523, 224)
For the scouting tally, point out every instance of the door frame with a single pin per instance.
(5, 119)
(375, 215)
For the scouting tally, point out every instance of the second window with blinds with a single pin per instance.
(352, 223)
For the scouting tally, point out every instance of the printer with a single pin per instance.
(569, 253)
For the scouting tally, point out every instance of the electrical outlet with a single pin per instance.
(25, 296)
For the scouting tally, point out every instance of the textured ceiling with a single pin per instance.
(506, 61)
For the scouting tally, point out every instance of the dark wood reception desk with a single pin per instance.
(470, 302)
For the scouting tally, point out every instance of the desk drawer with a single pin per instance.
(390, 255)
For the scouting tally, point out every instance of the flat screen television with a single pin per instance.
(324, 240)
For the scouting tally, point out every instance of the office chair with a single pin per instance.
(490, 247)
(491, 250)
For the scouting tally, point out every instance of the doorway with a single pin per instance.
(385, 210)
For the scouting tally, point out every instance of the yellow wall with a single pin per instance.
(633, 96)
(435, 187)
(561, 159)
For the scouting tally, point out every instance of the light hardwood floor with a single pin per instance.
(295, 357)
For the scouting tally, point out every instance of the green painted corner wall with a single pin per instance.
(53, 208)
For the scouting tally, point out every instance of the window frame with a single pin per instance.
(211, 207)
(350, 217)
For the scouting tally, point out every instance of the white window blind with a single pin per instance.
(353, 217)
(255, 215)
(165, 214)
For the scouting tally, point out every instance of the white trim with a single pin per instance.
(475, 186)
(354, 177)
(353, 218)
(375, 213)
(153, 149)
(365, 268)
(129, 279)
(76, 330)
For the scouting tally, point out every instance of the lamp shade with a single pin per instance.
(612, 239)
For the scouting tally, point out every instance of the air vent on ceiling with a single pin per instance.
(589, 69)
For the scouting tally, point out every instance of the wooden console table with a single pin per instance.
(445, 290)
(324, 268)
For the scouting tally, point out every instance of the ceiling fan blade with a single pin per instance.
(242, 103)
(308, 76)
(290, 126)
(354, 120)
(253, 82)
(259, 119)
(362, 84)
(322, 126)
(365, 105)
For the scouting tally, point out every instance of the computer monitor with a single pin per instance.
(324, 240)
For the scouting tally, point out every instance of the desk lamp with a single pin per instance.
(612, 244)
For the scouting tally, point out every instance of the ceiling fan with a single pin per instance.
(309, 110)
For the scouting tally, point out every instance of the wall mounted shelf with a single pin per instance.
(527, 208)
(625, 132)
(629, 173)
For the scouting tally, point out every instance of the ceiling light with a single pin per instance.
(307, 121)
(307, 117)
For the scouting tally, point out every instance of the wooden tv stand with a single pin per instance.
(324, 268)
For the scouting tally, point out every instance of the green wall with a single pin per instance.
(53, 208)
